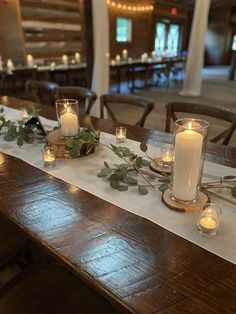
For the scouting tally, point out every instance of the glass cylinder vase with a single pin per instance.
(68, 117)
(189, 144)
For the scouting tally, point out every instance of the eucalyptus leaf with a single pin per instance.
(20, 141)
(142, 190)
(145, 163)
(114, 184)
(8, 137)
(123, 188)
(139, 162)
(233, 191)
(229, 177)
(163, 187)
(106, 164)
(143, 147)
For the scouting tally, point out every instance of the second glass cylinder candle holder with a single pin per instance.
(68, 117)
(189, 144)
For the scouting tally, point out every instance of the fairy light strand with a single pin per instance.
(126, 7)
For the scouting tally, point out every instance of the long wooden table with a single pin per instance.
(137, 265)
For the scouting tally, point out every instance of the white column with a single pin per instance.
(195, 58)
(100, 80)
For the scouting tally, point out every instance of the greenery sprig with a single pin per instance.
(131, 173)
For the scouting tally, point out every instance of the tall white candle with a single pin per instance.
(117, 58)
(10, 66)
(125, 54)
(77, 57)
(65, 60)
(187, 164)
(30, 61)
(69, 123)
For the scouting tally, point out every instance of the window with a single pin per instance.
(234, 43)
(167, 39)
(123, 29)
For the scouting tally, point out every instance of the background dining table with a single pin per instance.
(137, 265)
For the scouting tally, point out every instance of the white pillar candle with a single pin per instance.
(65, 60)
(69, 124)
(125, 54)
(1, 64)
(187, 164)
(30, 61)
(10, 66)
(117, 58)
(77, 57)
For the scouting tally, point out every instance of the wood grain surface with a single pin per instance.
(137, 265)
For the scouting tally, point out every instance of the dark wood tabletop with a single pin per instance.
(137, 265)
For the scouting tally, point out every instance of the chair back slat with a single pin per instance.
(116, 99)
(205, 110)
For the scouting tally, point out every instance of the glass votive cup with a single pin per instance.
(49, 158)
(25, 115)
(166, 159)
(208, 219)
(121, 133)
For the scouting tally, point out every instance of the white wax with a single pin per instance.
(208, 223)
(77, 57)
(69, 124)
(30, 61)
(117, 58)
(187, 164)
(125, 54)
(65, 60)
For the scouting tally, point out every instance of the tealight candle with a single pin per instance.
(49, 158)
(24, 115)
(166, 156)
(208, 220)
(121, 133)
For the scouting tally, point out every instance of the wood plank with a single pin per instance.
(50, 4)
(48, 25)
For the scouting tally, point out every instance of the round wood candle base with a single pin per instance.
(182, 207)
(156, 167)
(57, 144)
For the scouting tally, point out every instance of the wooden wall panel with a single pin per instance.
(51, 27)
(11, 35)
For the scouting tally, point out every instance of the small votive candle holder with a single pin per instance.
(49, 158)
(208, 219)
(166, 156)
(121, 133)
(25, 115)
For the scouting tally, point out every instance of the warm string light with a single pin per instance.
(129, 7)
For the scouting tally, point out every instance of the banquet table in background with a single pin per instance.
(136, 264)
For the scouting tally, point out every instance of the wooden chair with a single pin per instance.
(51, 289)
(206, 110)
(41, 91)
(107, 101)
(85, 96)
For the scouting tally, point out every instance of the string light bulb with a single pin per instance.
(129, 7)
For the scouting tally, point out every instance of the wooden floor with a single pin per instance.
(216, 91)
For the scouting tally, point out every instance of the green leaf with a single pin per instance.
(143, 147)
(114, 184)
(126, 153)
(8, 137)
(73, 153)
(233, 191)
(142, 190)
(20, 141)
(163, 187)
(229, 177)
(145, 163)
(106, 164)
(106, 172)
(114, 177)
(131, 181)
(123, 188)
(87, 137)
(139, 162)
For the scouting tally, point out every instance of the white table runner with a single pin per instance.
(82, 173)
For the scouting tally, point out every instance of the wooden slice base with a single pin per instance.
(181, 207)
(156, 167)
(57, 143)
